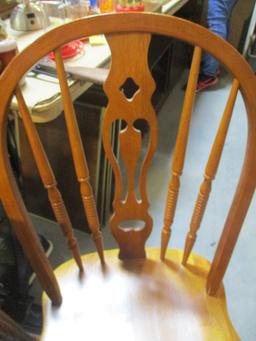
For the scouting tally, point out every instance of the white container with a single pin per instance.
(29, 16)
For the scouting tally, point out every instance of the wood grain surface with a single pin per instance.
(139, 300)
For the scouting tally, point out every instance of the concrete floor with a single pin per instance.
(240, 279)
(241, 275)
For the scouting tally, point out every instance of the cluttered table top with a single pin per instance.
(93, 53)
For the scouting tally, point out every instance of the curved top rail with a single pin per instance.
(134, 22)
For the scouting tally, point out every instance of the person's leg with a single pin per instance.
(219, 12)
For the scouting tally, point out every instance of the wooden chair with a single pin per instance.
(132, 293)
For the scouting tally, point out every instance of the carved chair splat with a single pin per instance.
(140, 293)
(131, 243)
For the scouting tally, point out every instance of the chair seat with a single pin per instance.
(143, 299)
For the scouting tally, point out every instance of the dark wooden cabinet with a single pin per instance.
(54, 138)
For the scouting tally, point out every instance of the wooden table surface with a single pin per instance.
(46, 105)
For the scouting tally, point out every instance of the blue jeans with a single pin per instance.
(218, 17)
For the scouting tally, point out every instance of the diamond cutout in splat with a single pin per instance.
(129, 88)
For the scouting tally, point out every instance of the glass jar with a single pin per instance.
(76, 9)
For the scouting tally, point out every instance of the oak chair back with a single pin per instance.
(128, 36)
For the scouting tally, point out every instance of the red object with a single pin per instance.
(69, 50)
(120, 8)
(8, 50)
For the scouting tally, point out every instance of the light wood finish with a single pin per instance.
(145, 296)
(210, 172)
(139, 300)
(127, 206)
(180, 151)
(48, 179)
(79, 158)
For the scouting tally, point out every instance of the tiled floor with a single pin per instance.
(241, 277)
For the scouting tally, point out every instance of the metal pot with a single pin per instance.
(28, 16)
